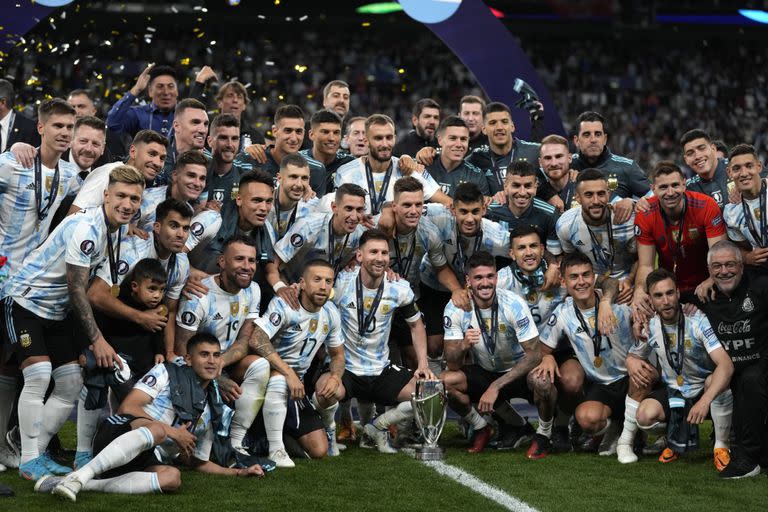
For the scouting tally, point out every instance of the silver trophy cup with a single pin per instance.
(429, 408)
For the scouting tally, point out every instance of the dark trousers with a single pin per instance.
(750, 407)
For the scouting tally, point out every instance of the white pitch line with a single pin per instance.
(492, 493)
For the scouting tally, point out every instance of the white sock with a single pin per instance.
(721, 410)
(68, 381)
(249, 404)
(137, 482)
(475, 419)
(604, 429)
(660, 427)
(545, 428)
(404, 410)
(36, 379)
(328, 415)
(7, 395)
(365, 410)
(120, 451)
(87, 422)
(275, 410)
(630, 421)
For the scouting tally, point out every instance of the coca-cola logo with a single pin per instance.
(740, 327)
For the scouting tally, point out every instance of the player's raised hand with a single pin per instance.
(142, 81)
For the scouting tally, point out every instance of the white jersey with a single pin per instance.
(133, 249)
(92, 190)
(289, 217)
(541, 304)
(515, 326)
(369, 354)
(739, 226)
(593, 241)
(41, 284)
(405, 259)
(19, 232)
(203, 228)
(149, 201)
(309, 238)
(218, 312)
(297, 335)
(156, 383)
(700, 342)
(495, 240)
(354, 172)
(613, 348)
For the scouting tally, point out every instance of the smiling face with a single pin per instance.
(189, 181)
(527, 251)
(726, 269)
(482, 282)
(289, 134)
(745, 171)
(579, 281)
(700, 155)
(469, 216)
(348, 212)
(294, 181)
(337, 100)
(499, 128)
(148, 158)
(555, 160)
(316, 284)
(664, 299)
(374, 257)
(225, 143)
(163, 92)
(121, 202)
(520, 190)
(87, 146)
(326, 138)
(191, 128)
(670, 189)
(408, 208)
(238, 264)
(205, 359)
(454, 141)
(593, 195)
(381, 140)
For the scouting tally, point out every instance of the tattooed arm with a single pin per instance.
(259, 343)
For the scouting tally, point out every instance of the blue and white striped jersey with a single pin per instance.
(613, 349)
(203, 228)
(429, 246)
(369, 354)
(700, 341)
(149, 201)
(297, 335)
(19, 233)
(574, 235)
(738, 225)
(302, 209)
(41, 284)
(309, 239)
(541, 304)
(218, 312)
(516, 326)
(133, 249)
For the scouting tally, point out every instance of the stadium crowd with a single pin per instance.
(224, 297)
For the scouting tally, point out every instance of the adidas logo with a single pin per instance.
(296, 328)
(351, 305)
(448, 242)
(579, 242)
(218, 316)
(31, 186)
(579, 330)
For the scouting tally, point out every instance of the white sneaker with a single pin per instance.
(68, 488)
(282, 460)
(3, 468)
(333, 446)
(380, 437)
(607, 446)
(8, 457)
(625, 454)
(46, 484)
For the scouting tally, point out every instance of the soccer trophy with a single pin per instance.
(429, 407)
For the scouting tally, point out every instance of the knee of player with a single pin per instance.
(540, 385)
(649, 412)
(169, 478)
(453, 380)
(571, 382)
(317, 450)
(589, 418)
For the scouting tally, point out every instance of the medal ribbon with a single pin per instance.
(364, 320)
(597, 247)
(677, 358)
(291, 219)
(678, 250)
(113, 255)
(488, 338)
(377, 198)
(759, 237)
(42, 210)
(597, 338)
(403, 265)
(461, 258)
(335, 262)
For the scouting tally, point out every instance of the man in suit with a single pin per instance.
(13, 126)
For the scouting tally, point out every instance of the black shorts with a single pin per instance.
(613, 395)
(28, 335)
(479, 380)
(432, 305)
(401, 331)
(112, 428)
(661, 395)
(380, 389)
(302, 418)
(563, 354)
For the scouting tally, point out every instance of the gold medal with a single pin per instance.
(162, 310)
(532, 297)
(679, 380)
(598, 362)
(115, 290)
(330, 295)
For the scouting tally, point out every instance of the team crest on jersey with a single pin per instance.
(312, 325)
(613, 182)
(25, 339)
(48, 183)
(756, 211)
(748, 306)
(385, 308)
(502, 328)
(367, 302)
(446, 321)
(122, 267)
(717, 196)
(552, 320)
(693, 233)
(275, 318)
(188, 318)
(87, 247)
(235, 191)
(196, 229)
(245, 310)
(325, 329)
(149, 380)
(297, 240)
(688, 343)
(234, 307)
(218, 195)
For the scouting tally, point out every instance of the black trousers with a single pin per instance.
(750, 408)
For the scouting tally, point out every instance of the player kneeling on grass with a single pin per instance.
(694, 367)
(180, 424)
(502, 337)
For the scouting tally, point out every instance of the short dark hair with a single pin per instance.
(470, 98)
(257, 176)
(590, 174)
(349, 189)
(467, 192)
(237, 86)
(294, 159)
(373, 234)
(450, 121)
(664, 168)
(173, 205)
(161, 70)
(496, 106)
(720, 146)
(522, 168)
(188, 104)
(694, 134)
(288, 112)
(423, 103)
(407, 184)
(590, 116)
(575, 258)
(6, 92)
(523, 230)
(333, 83)
(658, 275)
(225, 120)
(148, 268)
(324, 116)
(238, 239)
(54, 106)
(316, 262)
(191, 157)
(149, 137)
(480, 259)
(200, 338)
(742, 149)
(91, 122)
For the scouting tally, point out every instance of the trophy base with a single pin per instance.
(429, 453)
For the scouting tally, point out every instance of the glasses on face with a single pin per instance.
(728, 265)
